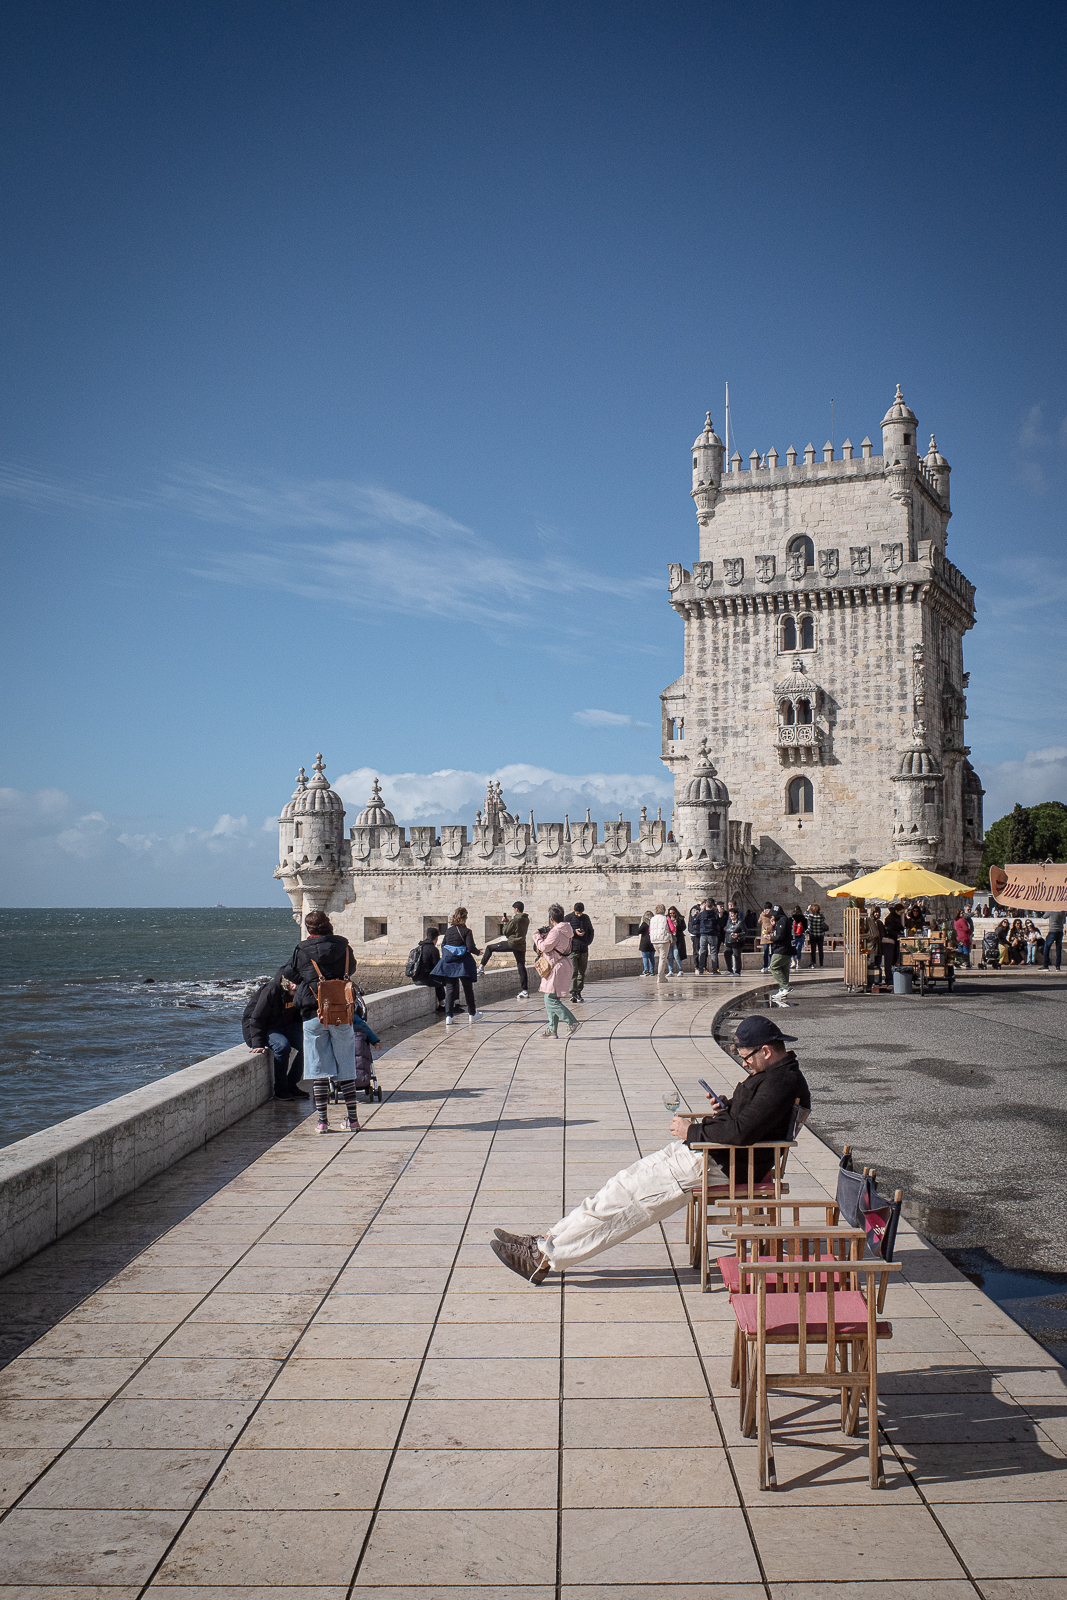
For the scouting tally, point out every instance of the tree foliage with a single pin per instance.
(1027, 833)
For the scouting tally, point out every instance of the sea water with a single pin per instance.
(80, 1022)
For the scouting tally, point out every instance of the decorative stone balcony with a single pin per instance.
(799, 743)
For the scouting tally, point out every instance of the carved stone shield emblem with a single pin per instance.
(390, 842)
(765, 568)
(549, 838)
(828, 563)
(361, 843)
(482, 837)
(453, 839)
(675, 571)
(861, 557)
(893, 557)
(422, 842)
(702, 573)
(735, 568)
(583, 838)
(653, 837)
(616, 838)
(517, 838)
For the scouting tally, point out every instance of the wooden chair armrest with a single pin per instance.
(870, 1269)
(778, 1144)
(792, 1230)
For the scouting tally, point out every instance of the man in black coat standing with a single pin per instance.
(762, 1109)
(271, 1021)
(581, 939)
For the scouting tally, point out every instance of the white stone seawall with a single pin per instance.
(59, 1178)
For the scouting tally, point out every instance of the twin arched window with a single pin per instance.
(797, 633)
(800, 797)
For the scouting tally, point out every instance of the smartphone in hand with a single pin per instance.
(708, 1090)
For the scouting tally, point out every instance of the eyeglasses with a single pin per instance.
(747, 1055)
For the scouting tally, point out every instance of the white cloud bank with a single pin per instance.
(608, 719)
(453, 796)
(1041, 775)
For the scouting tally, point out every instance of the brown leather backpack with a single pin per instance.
(337, 1003)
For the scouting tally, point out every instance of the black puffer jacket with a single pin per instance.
(328, 950)
(761, 1107)
(271, 1010)
(782, 935)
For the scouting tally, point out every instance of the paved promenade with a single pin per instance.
(320, 1381)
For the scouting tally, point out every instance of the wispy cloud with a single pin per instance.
(608, 719)
(1040, 775)
(1035, 440)
(450, 795)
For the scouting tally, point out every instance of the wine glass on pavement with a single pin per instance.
(672, 1100)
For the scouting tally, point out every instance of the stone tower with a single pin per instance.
(823, 659)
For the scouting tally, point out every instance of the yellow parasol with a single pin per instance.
(899, 880)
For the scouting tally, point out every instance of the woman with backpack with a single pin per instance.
(330, 1046)
(421, 962)
(457, 967)
(553, 945)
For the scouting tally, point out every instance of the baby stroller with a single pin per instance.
(990, 949)
(365, 1078)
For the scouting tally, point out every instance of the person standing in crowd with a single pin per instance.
(457, 967)
(879, 956)
(1054, 937)
(677, 951)
(425, 960)
(272, 1022)
(915, 919)
(894, 930)
(513, 942)
(781, 947)
(800, 928)
(329, 1048)
(581, 938)
(1017, 943)
(644, 945)
(554, 943)
(733, 938)
(660, 934)
(766, 932)
(1034, 941)
(701, 921)
(964, 929)
(816, 934)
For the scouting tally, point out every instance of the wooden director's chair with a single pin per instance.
(716, 1191)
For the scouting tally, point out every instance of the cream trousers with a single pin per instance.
(633, 1199)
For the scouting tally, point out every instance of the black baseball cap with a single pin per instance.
(753, 1032)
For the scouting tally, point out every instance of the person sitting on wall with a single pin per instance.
(271, 1021)
(512, 941)
(760, 1110)
(425, 962)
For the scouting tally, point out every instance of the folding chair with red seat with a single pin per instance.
(793, 1299)
(713, 1189)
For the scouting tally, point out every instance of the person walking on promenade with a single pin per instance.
(426, 958)
(581, 938)
(733, 938)
(272, 1022)
(766, 932)
(761, 1109)
(781, 948)
(964, 928)
(660, 934)
(512, 940)
(1054, 936)
(676, 929)
(329, 1048)
(554, 944)
(644, 945)
(457, 967)
(816, 934)
(800, 928)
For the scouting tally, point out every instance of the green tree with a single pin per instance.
(1020, 834)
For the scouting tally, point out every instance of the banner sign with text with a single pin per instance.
(1037, 887)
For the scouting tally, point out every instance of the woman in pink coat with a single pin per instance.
(555, 946)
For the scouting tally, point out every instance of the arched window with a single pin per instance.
(786, 714)
(803, 710)
(807, 633)
(801, 798)
(789, 632)
(799, 556)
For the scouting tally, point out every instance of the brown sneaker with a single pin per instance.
(516, 1238)
(523, 1258)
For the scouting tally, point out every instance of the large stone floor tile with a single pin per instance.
(43, 1424)
(66, 1377)
(799, 1543)
(265, 1341)
(830, 1470)
(226, 1592)
(110, 1305)
(299, 1480)
(1019, 1540)
(687, 1475)
(370, 1378)
(341, 1341)
(657, 1339)
(167, 1281)
(517, 1341)
(324, 1424)
(461, 1548)
(374, 1307)
(133, 1480)
(204, 1377)
(254, 1547)
(637, 1424)
(18, 1468)
(279, 1280)
(967, 1471)
(633, 1377)
(107, 1339)
(621, 1305)
(167, 1425)
(886, 1589)
(482, 1425)
(390, 1281)
(231, 1307)
(490, 1378)
(664, 1545)
(120, 1547)
(945, 1419)
(665, 1591)
(501, 1480)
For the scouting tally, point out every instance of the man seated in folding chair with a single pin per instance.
(760, 1109)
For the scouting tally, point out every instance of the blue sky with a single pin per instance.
(353, 354)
